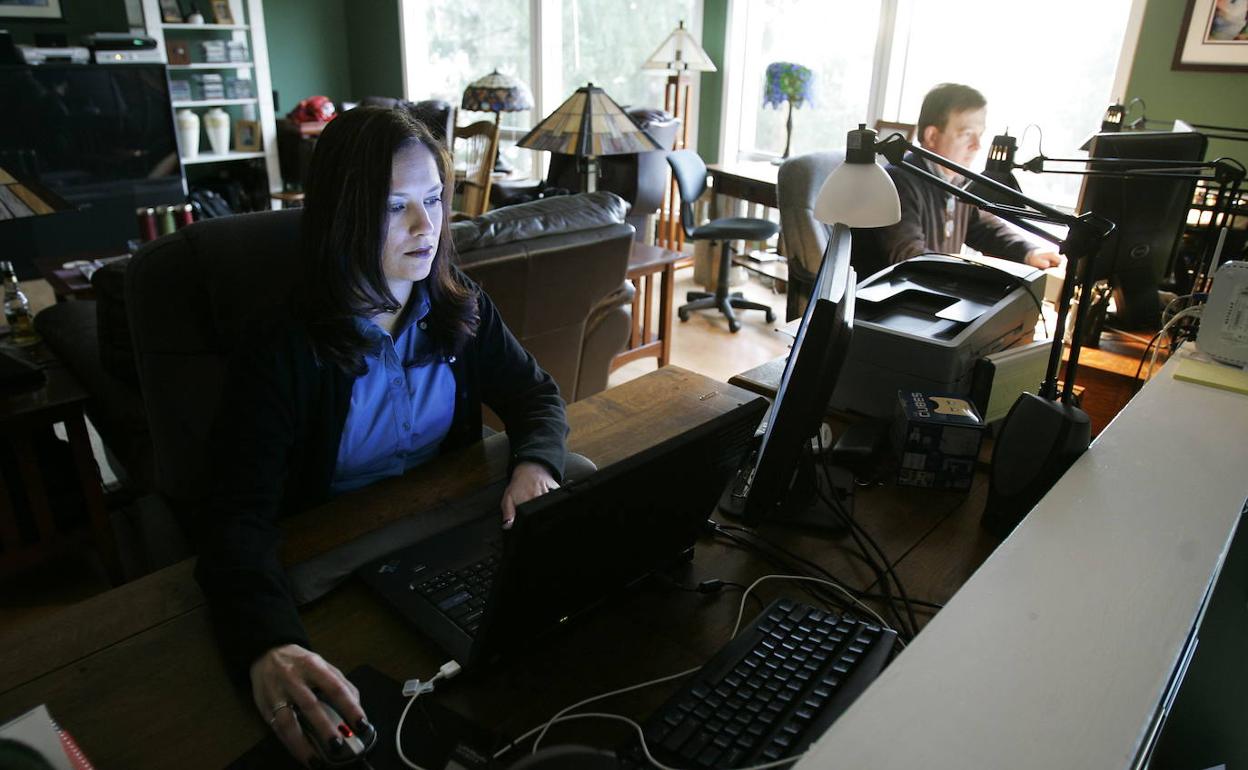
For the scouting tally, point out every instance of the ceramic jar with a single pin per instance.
(188, 133)
(217, 126)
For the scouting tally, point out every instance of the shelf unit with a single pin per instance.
(251, 30)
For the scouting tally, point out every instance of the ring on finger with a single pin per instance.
(277, 710)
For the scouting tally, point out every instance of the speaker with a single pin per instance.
(1038, 441)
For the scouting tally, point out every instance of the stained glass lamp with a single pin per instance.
(589, 125)
(787, 82)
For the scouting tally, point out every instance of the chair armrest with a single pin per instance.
(607, 328)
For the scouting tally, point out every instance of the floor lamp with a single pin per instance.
(678, 55)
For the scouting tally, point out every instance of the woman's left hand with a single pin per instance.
(528, 480)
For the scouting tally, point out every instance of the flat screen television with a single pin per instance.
(765, 488)
(100, 136)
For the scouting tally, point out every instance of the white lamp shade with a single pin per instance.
(680, 53)
(858, 195)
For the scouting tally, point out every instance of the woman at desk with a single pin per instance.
(389, 358)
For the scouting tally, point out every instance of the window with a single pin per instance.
(447, 44)
(606, 41)
(1052, 64)
(839, 55)
(1057, 62)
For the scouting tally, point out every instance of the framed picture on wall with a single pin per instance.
(30, 9)
(221, 13)
(1213, 37)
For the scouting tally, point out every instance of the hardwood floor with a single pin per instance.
(703, 344)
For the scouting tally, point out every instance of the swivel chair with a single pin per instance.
(805, 238)
(690, 173)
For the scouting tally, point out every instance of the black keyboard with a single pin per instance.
(461, 593)
(771, 691)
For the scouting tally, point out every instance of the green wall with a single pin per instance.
(710, 101)
(1217, 98)
(374, 50)
(307, 50)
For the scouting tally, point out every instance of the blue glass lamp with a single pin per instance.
(787, 82)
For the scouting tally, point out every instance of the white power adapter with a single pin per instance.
(1223, 331)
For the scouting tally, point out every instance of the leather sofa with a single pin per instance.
(555, 268)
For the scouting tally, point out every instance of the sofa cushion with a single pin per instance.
(560, 215)
(116, 347)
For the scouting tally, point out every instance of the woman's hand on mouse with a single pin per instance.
(528, 480)
(283, 678)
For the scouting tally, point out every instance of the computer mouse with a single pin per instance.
(353, 747)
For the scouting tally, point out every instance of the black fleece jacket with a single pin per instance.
(275, 446)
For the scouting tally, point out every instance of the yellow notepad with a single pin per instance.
(1214, 375)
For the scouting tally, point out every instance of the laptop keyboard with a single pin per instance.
(460, 593)
(771, 691)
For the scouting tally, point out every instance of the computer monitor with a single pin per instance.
(765, 488)
(101, 137)
(1150, 213)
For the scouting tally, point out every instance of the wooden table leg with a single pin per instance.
(10, 538)
(647, 334)
(634, 332)
(666, 288)
(93, 495)
(36, 490)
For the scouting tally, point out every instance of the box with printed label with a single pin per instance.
(936, 437)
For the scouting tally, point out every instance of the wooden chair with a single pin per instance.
(476, 148)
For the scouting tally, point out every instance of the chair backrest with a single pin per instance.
(191, 296)
(797, 185)
(476, 149)
(690, 173)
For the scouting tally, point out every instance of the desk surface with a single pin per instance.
(1062, 647)
(141, 660)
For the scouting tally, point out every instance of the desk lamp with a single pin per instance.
(787, 82)
(497, 93)
(1044, 433)
(678, 55)
(589, 125)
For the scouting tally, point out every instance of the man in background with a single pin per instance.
(951, 123)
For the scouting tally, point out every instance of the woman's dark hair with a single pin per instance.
(344, 229)
(944, 100)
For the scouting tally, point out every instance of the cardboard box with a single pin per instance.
(936, 437)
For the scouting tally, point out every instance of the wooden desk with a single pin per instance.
(752, 180)
(140, 661)
(644, 262)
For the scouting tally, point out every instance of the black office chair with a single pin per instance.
(690, 173)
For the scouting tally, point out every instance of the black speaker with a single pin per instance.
(1039, 440)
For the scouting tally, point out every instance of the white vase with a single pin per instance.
(217, 126)
(188, 134)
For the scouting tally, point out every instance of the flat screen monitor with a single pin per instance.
(1150, 213)
(102, 138)
(763, 489)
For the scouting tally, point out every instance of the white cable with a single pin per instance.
(414, 688)
(646, 750)
(830, 583)
(563, 716)
(1189, 312)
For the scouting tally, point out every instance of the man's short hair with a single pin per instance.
(946, 99)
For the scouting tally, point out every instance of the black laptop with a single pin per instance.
(477, 589)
